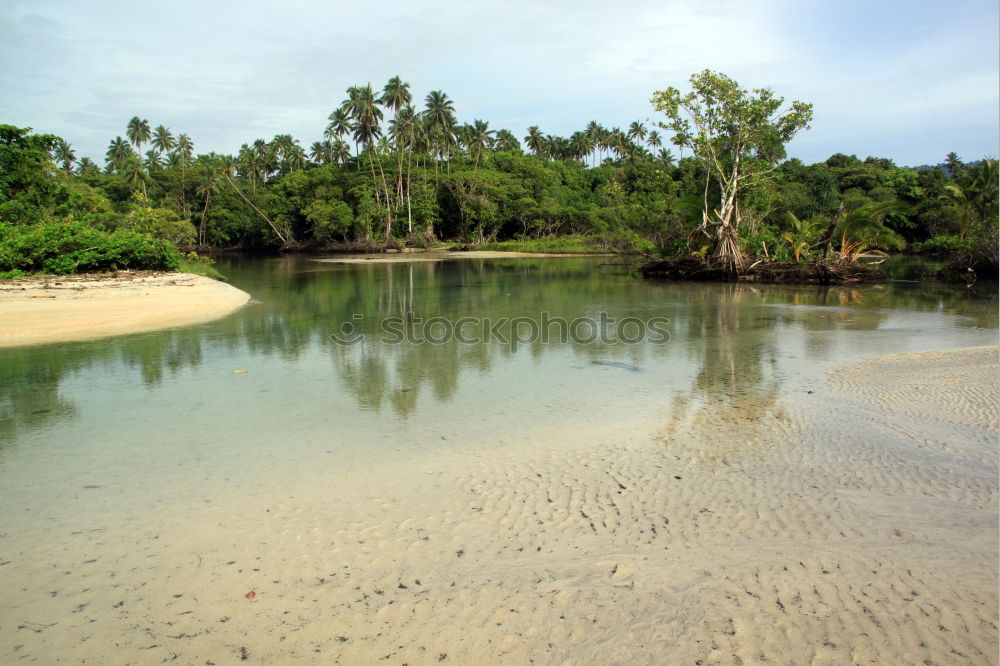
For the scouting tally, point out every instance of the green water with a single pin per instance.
(157, 414)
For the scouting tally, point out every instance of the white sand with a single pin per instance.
(60, 309)
(857, 524)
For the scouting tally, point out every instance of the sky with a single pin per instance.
(910, 80)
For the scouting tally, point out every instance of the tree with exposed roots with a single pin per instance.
(739, 137)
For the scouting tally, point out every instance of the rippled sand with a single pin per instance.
(856, 523)
(63, 308)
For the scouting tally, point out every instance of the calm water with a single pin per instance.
(157, 415)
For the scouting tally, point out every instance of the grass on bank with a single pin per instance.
(574, 244)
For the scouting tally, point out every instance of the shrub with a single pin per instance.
(73, 247)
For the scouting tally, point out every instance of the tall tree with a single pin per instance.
(118, 151)
(65, 155)
(440, 112)
(535, 140)
(163, 141)
(738, 136)
(138, 132)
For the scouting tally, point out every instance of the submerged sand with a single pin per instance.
(67, 308)
(854, 523)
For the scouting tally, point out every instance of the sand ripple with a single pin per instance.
(856, 524)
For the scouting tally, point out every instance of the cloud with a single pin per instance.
(227, 73)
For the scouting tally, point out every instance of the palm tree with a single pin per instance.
(185, 145)
(163, 141)
(395, 95)
(404, 132)
(975, 195)
(479, 137)
(506, 141)
(863, 227)
(85, 165)
(636, 131)
(581, 145)
(653, 140)
(64, 153)
(535, 140)
(953, 163)
(135, 175)
(440, 114)
(340, 123)
(138, 132)
(366, 115)
(153, 162)
(118, 151)
(666, 157)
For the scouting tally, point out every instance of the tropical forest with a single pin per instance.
(706, 177)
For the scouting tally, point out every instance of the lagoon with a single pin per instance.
(496, 500)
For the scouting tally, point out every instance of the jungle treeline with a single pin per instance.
(393, 171)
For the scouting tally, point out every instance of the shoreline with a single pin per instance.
(444, 255)
(47, 309)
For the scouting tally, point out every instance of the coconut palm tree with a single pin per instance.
(65, 154)
(653, 140)
(395, 95)
(85, 166)
(135, 175)
(479, 138)
(118, 151)
(506, 141)
(365, 114)
(440, 112)
(954, 164)
(636, 132)
(153, 162)
(184, 145)
(163, 141)
(666, 157)
(138, 132)
(535, 140)
(581, 145)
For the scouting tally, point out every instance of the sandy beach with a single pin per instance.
(856, 523)
(66, 308)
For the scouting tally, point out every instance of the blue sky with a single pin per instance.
(909, 80)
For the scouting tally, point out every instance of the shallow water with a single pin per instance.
(140, 434)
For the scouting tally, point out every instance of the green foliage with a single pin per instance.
(197, 264)
(387, 170)
(74, 247)
(572, 244)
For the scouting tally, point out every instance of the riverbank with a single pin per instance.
(46, 309)
(853, 523)
(418, 256)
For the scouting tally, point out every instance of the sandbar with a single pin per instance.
(441, 255)
(40, 310)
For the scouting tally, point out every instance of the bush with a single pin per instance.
(73, 247)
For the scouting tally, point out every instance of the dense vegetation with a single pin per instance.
(387, 174)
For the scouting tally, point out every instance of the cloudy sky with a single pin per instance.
(906, 79)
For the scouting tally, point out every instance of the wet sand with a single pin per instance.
(856, 523)
(67, 308)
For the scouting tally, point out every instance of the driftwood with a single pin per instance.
(763, 271)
